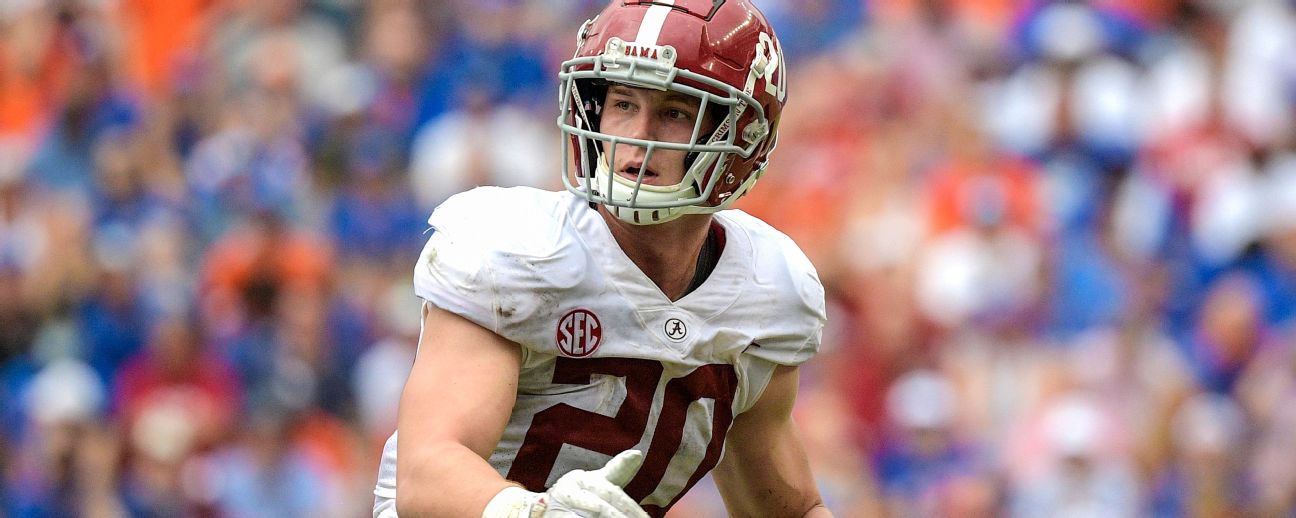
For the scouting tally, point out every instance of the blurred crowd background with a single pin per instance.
(1058, 239)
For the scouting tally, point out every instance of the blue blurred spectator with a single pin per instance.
(1091, 277)
(922, 461)
(54, 471)
(235, 172)
(373, 212)
(1080, 477)
(65, 159)
(1069, 29)
(266, 473)
(113, 322)
(487, 49)
(1205, 476)
(1274, 262)
(1230, 331)
(460, 150)
(810, 26)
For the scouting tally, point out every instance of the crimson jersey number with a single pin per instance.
(565, 424)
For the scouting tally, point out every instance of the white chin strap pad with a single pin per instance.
(623, 193)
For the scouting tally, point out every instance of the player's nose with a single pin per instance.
(629, 154)
(641, 126)
(638, 126)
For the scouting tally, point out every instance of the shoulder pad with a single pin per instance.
(791, 289)
(491, 251)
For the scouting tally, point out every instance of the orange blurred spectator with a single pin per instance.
(954, 186)
(158, 35)
(21, 102)
(263, 253)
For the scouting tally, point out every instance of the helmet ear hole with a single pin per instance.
(590, 95)
(714, 114)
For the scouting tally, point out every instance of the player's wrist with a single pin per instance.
(514, 502)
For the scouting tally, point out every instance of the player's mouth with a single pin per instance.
(631, 172)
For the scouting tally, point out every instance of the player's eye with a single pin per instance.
(678, 114)
(622, 105)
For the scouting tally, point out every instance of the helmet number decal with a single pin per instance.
(769, 58)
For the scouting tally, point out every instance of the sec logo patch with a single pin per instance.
(579, 333)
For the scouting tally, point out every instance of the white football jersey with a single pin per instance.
(609, 362)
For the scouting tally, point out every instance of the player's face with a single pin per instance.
(650, 115)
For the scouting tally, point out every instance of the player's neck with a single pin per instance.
(667, 252)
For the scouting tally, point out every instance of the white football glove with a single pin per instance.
(579, 493)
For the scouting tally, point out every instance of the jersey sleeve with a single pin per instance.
(795, 334)
(790, 298)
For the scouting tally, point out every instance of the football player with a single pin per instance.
(596, 352)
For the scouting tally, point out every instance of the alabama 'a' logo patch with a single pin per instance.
(579, 333)
(675, 329)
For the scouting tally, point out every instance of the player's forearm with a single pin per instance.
(767, 505)
(444, 479)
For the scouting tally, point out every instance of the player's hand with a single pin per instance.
(579, 493)
(598, 493)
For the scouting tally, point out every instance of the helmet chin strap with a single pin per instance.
(623, 194)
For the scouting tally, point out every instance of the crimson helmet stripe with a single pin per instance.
(653, 21)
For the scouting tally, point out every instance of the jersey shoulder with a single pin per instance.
(775, 252)
(518, 220)
(492, 253)
(787, 286)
